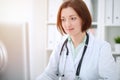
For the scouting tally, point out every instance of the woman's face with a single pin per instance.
(71, 22)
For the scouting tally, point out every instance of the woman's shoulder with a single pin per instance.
(61, 41)
(99, 42)
(102, 43)
(98, 45)
(63, 38)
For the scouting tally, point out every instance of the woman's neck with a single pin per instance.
(78, 39)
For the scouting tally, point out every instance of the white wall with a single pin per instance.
(16, 10)
(34, 12)
(38, 46)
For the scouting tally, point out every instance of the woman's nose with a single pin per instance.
(67, 23)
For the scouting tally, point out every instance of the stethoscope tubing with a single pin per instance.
(64, 45)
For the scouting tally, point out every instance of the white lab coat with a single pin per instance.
(98, 62)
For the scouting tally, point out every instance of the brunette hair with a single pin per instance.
(81, 9)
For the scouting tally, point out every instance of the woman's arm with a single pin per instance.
(51, 69)
(107, 65)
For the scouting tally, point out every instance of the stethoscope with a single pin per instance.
(61, 75)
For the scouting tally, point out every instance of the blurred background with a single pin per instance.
(28, 33)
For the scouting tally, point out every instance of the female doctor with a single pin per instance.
(79, 56)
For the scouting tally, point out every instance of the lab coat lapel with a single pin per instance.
(71, 58)
(63, 59)
(74, 63)
(88, 50)
(78, 57)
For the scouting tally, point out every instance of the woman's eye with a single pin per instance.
(62, 20)
(73, 18)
